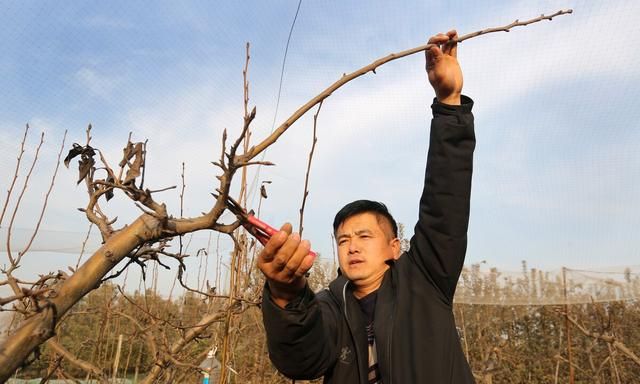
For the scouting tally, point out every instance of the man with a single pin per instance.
(386, 318)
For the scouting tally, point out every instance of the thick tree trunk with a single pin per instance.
(38, 328)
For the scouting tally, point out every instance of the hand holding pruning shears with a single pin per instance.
(285, 258)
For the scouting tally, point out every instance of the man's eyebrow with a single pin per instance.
(357, 233)
(342, 236)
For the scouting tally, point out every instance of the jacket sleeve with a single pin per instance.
(440, 240)
(300, 337)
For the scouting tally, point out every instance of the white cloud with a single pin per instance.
(98, 84)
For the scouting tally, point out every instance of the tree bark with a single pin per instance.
(38, 328)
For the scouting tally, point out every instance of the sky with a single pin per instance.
(557, 162)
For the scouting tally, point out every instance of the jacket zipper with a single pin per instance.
(344, 301)
(355, 342)
(390, 341)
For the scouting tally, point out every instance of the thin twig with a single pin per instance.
(238, 251)
(181, 205)
(206, 262)
(516, 23)
(15, 174)
(144, 163)
(173, 286)
(182, 192)
(46, 198)
(218, 262)
(199, 254)
(243, 183)
(84, 245)
(88, 132)
(248, 118)
(306, 178)
(161, 189)
(14, 262)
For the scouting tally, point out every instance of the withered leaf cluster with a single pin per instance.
(86, 163)
(132, 161)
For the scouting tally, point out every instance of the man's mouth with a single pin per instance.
(355, 262)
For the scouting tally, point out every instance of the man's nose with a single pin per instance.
(353, 247)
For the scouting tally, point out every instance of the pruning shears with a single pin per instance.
(256, 227)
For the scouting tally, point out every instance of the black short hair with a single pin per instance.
(365, 206)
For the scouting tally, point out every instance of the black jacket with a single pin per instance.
(417, 341)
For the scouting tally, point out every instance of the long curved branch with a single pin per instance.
(257, 149)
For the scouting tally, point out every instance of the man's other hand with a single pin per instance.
(443, 69)
(284, 261)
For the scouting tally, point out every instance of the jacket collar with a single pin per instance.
(341, 286)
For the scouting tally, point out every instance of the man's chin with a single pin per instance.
(354, 276)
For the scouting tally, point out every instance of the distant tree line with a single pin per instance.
(504, 343)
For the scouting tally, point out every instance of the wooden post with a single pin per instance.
(116, 360)
(567, 326)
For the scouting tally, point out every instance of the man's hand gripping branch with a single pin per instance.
(443, 69)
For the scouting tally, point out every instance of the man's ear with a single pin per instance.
(397, 251)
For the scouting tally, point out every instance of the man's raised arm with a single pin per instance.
(440, 241)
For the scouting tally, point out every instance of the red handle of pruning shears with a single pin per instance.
(258, 228)
(264, 231)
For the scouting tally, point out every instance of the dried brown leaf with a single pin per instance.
(127, 154)
(73, 152)
(85, 165)
(76, 150)
(263, 191)
(135, 167)
(109, 194)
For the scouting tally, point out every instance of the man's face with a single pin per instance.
(364, 245)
